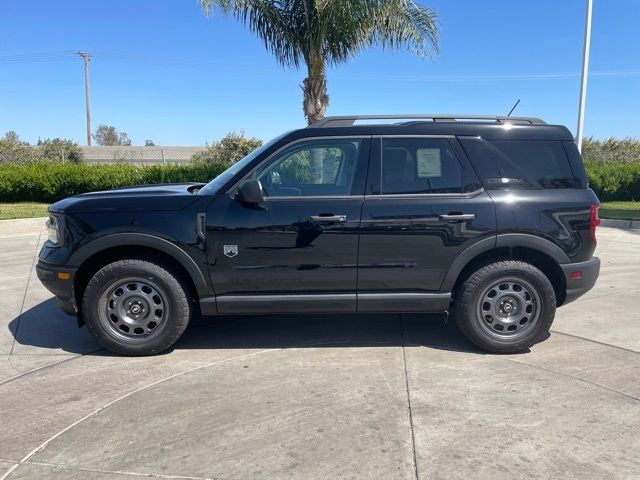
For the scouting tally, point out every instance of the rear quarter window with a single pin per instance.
(530, 164)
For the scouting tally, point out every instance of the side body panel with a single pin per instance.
(407, 246)
(409, 242)
(560, 216)
(171, 232)
(288, 253)
(275, 248)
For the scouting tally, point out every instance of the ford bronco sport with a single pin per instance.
(488, 218)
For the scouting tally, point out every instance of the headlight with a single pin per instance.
(54, 229)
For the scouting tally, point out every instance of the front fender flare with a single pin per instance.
(143, 240)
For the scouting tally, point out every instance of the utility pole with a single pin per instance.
(585, 71)
(86, 57)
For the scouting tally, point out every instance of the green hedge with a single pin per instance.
(50, 182)
(614, 180)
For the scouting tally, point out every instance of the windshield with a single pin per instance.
(214, 185)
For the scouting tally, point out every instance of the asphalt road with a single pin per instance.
(340, 397)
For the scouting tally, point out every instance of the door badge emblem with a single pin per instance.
(230, 250)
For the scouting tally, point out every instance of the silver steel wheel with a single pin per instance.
(133, 309)
(509, 308)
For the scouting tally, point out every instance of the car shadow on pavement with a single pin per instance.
(45, 327)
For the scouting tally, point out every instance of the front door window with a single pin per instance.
(317, 168)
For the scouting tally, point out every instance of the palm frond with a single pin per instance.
(353, 25)
(333, 30)
(405, 24)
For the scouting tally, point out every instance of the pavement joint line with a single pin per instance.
(117, 472)
(408, 394)
(595, 341)
(40, 354)
(42, 446)
(24, 297)
(567, 375)
(42, 367)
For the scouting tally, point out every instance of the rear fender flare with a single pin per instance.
(503, 240)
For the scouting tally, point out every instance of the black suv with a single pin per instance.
(487, 218)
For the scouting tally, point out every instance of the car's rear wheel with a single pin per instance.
(505, 306)
(136, 307)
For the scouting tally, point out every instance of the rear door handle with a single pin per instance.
(457, 217)
(328, 218)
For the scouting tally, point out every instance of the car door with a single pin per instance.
(297, 250)
(423, 207)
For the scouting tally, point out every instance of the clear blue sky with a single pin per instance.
(164, 71)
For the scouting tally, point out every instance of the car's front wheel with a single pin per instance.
(136, 307)
(505, 306)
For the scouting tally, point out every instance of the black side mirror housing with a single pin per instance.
(250, 191)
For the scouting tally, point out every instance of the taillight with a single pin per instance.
(594, 221)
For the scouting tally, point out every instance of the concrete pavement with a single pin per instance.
(360, 396)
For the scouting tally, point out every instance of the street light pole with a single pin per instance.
(585, 71)
(86, 57)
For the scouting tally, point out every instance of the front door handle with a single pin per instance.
(458, 217)
(322, 218)
(201, 226)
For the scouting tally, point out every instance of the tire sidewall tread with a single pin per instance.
(174, 286)
(465, 298)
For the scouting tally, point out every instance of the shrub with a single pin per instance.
(59, 149)
(611, 150)
(49, 182)
(229, 150)
(55, 150)
(614, 180)
(16, 152)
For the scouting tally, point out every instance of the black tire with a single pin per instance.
(480, 302)
(160, 295)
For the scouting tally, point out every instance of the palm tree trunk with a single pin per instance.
(314, 104)
(314, 87)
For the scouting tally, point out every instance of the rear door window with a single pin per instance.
(418, 166)
(520, 163)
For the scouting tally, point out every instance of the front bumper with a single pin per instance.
(59, 281)
(576, 287)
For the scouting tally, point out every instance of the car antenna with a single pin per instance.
(513, 108)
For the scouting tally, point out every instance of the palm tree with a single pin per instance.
(321, 32)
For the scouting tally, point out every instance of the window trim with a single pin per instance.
(419, 195)
(377, 165)
(251, 173)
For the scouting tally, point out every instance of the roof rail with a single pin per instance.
(349, 120)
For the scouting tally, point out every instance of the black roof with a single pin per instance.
(489, 127)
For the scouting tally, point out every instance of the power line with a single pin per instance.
(36, 57)
(243, 68)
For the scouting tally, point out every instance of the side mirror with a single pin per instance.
(250, 191)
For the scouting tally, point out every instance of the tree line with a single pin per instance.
(13, 149)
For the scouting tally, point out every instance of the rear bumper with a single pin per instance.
(576, 287)
(62, 288)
